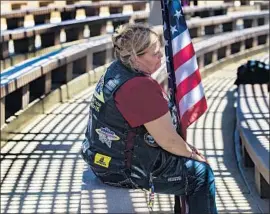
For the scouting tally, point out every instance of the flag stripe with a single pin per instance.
(185, 81)
(194, 113)
(188, 84)
(183, 56)
(190, 99)
(180, 41)
(186, 70)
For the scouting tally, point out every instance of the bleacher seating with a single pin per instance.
(253, 119)
(49, 35)
(253, 127)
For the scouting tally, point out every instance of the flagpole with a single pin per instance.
(180, 201)
(169, 61)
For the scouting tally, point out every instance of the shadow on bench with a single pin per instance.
(97, 197)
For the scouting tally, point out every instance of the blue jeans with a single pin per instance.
(201, 188)
(191, 178)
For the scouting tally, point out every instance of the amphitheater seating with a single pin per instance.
(29, 87)
(57, 13)
(253, 120)
(26, 83)
(49, 35)
(253, 126)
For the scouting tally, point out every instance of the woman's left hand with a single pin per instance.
(198, 152)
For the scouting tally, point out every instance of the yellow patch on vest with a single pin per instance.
(102, 160)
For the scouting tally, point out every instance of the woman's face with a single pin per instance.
(150, 61)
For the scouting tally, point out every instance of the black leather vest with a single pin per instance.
(111, 144)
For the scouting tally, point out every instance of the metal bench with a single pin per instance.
(253, 126)
(19, 18)
(95, 195)
(24, 39)
(217, 51)
(57, 13)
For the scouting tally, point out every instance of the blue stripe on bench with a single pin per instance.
(14, 72)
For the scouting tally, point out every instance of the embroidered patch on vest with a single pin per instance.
(150, 140)
(107, 136)
(172, 179)
(95, 104)
(111, 85)
(99, 90)
(102, 160)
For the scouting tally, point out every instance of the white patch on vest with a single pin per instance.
(107, 136)
(172, 179)
(99, 90)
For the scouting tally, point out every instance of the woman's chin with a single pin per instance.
(158, 66)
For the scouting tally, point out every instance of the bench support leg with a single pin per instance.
(25, 96)
(69, 72)
(242, 46)
(89, 61)
(3, 117)
(4, 50)
(48, 83)
(247, 160)
(254, 41)
(261, 184)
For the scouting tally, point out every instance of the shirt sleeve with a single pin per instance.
(140, 100)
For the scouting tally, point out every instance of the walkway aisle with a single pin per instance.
(214, 134)
(41, 170)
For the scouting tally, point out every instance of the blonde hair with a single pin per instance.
(132, 40)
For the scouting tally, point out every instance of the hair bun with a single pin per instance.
(130, 39)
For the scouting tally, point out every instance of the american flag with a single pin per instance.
(184, 75)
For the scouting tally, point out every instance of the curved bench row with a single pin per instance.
(32, 17)
(28, 83)
(213, 51)
(8, 6)
(27, 40)
(24, 40)
(253, 126)
(56, 14)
